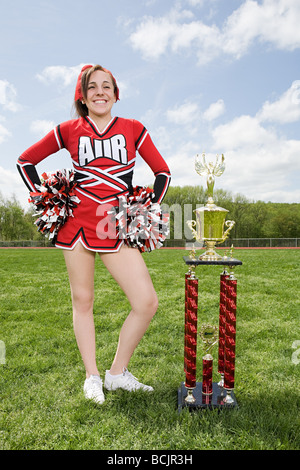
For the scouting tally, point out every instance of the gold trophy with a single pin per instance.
(210, 219)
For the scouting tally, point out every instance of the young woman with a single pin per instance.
(103, 151)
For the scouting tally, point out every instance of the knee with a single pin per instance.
(150, 305)
(82, 301)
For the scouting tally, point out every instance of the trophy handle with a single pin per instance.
(229, 224)
(191, 224)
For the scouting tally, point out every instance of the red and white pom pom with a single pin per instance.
(140, 221)
(54, 201)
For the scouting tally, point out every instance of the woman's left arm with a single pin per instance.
(153, 158)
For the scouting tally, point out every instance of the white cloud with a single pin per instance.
(272, 21)
(8, 96)
(41, 127)
(285, 109)
(11, 184)
(61, 73)
(183, 114)
(214, 110)
(241, 132)
(280, 23)
(4, 133)
(189, 113)
(9, 177)
(154, 36)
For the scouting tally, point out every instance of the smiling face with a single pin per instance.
(100, 95)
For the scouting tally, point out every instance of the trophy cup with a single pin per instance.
(209, 335)
(210, 219)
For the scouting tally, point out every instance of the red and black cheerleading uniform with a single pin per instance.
(103, 164)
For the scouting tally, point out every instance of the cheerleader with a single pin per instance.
(103, 151)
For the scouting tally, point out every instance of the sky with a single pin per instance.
(212, 76)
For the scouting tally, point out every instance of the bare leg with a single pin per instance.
(80, 265)
(129, 270)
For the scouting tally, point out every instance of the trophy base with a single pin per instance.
(202, 401)
(210, 254)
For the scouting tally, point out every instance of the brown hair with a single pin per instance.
(81, 109)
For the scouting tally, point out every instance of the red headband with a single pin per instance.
(78, 91)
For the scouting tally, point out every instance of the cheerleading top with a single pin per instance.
(103, 164)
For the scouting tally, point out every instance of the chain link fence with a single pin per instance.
(236, 242)
(242, 243)
(26, 244)
(264, 242)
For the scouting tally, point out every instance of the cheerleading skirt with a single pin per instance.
(92, 225)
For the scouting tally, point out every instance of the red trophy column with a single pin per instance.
(207, 387)
(187, 275)
(230, 336)
(222, 323)
(190, 350)
(209, 336)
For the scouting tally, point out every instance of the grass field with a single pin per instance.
(41, 379)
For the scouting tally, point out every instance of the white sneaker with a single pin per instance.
(93, 389)
(126, 381)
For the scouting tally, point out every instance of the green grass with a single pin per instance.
(42, 404)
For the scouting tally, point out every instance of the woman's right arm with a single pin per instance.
(48, 145)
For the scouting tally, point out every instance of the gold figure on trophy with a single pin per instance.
(209, 336)
(210, 219)
(211, 170)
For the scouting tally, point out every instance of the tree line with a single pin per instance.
(253, 219)
(16, 223)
